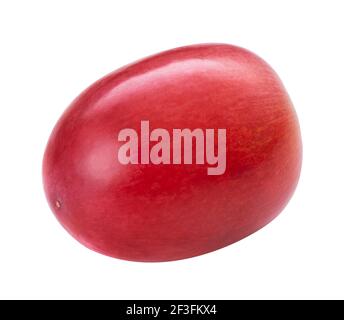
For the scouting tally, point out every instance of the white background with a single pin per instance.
(51, 50)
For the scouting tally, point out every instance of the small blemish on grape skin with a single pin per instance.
(57, 204)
